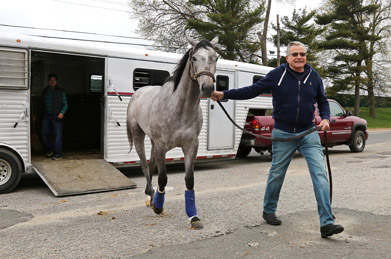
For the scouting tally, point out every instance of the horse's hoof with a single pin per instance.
(196, 223)
(149, 202)
(157, 210)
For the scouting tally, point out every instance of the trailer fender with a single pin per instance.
(21, 163)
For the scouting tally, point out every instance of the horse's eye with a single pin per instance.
(194, 59)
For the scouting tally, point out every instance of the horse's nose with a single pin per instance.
(207, 89)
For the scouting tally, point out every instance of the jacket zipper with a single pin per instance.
(298, 105)
(298, 95)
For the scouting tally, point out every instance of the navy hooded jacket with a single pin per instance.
(293, 97)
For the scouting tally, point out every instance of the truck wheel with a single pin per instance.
(9, 171)
(243, 151)
(358, 142)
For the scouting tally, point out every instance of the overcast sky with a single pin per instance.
(95, 16)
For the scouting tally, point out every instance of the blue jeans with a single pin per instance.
(283, 151)
(52, 124)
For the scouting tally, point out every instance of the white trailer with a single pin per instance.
(100, 79)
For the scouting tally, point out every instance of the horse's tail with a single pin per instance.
(130, 137)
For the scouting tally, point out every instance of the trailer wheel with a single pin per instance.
(358, 142)
(9, 171)
(243, 151)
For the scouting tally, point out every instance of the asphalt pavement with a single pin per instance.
(229, 198)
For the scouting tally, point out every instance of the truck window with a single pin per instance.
(222, 84)
(257, 78)
(143, 77)
(335, 109)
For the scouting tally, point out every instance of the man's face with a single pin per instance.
(52, 81)
(296, 59)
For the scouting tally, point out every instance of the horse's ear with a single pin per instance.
(214, 41)
(191, 41)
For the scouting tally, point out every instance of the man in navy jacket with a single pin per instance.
(295, 87)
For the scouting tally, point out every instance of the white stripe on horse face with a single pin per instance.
(205, 59)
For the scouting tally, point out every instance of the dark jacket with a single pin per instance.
(58, 101)
(293, 99)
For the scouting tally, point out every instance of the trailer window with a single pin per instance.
(13, 69)
(96, 83)
(143, 77)
(256, 79)
(222, 84)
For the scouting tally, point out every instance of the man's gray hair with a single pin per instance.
(294, 43)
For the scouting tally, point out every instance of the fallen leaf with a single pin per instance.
(102, 213)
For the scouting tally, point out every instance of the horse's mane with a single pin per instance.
(182, 63)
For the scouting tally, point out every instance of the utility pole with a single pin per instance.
(278, 40)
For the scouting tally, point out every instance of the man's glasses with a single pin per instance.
(295, 54)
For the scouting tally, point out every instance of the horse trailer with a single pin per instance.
(99, 80)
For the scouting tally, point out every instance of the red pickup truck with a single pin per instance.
(344, 129)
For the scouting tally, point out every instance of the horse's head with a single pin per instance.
(203, 60)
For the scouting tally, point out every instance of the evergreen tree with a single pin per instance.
(346, 37)
(300, 27)
(234, 22)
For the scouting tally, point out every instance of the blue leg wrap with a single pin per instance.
(158, 200)
(191, 210)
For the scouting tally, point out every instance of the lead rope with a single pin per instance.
(264, 137)
(287, 139)
(328, 169)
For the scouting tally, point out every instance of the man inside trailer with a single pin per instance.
(54, 107)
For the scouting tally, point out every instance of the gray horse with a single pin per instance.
(171, 116)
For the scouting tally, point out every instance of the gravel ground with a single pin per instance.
(229, 195)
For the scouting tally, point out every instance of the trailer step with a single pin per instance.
(81, 176)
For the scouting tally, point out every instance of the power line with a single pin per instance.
(116, 42)
(125, 43)
(90, 33)
(111, 2)
(93, 6)
(101, 41)
(70, 31)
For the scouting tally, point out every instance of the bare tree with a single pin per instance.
(263, 35)
(165, 21)
(380, 32)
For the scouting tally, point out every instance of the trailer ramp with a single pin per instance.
(81, 176)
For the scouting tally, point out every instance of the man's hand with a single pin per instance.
(325, 125)
(60, 116)
(217, 95)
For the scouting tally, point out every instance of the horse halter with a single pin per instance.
(197, 75)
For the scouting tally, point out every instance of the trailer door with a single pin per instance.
(14, 100)
(220, 130)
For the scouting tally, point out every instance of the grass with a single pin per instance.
(382, 120)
